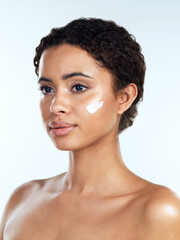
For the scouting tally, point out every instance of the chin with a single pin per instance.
(66, 145)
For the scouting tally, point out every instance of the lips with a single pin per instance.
(61, 124)
(61, 128)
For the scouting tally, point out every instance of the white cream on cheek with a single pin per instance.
(93, 107)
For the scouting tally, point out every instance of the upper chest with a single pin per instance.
(73, 219)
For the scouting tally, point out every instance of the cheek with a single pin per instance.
(44, 107)
(89, 110)
(97, 115)
(93, 107)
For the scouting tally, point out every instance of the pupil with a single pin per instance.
(48, 90)
(79, 87)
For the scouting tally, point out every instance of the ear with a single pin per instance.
(126, 97)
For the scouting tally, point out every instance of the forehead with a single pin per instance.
(67, 58)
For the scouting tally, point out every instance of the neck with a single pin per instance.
(97, 168)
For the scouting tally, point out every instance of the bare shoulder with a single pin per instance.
(26, 193)
(162, 202)
(19, 194)
(16, 199)
(162, 214)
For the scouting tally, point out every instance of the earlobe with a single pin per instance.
(126, 97)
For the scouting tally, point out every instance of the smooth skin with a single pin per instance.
(98, 198)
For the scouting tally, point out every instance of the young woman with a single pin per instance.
(91, 75)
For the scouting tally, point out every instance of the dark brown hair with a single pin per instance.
(111, 46)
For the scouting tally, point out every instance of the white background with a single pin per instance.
(151, 148)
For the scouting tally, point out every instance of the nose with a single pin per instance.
(59, 105)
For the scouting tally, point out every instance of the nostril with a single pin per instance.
(58, 108)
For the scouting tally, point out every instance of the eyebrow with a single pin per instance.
(70, 75)
(44, 79)
(66, 76)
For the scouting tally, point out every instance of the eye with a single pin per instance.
(46, 90)
(79, 88)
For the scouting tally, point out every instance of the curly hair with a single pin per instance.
(112, 46)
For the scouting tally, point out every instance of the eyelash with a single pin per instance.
(42, 88)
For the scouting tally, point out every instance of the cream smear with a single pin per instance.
(93, 107)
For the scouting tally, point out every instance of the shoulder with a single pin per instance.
(17, 198)
(162, 214)
(22, 192)
(162, 202)
(27, 191)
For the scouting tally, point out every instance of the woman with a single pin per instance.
(91, 75)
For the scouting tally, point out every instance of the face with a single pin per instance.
(78, 106)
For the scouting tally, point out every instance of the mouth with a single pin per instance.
(61, 128)
(62, 131)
